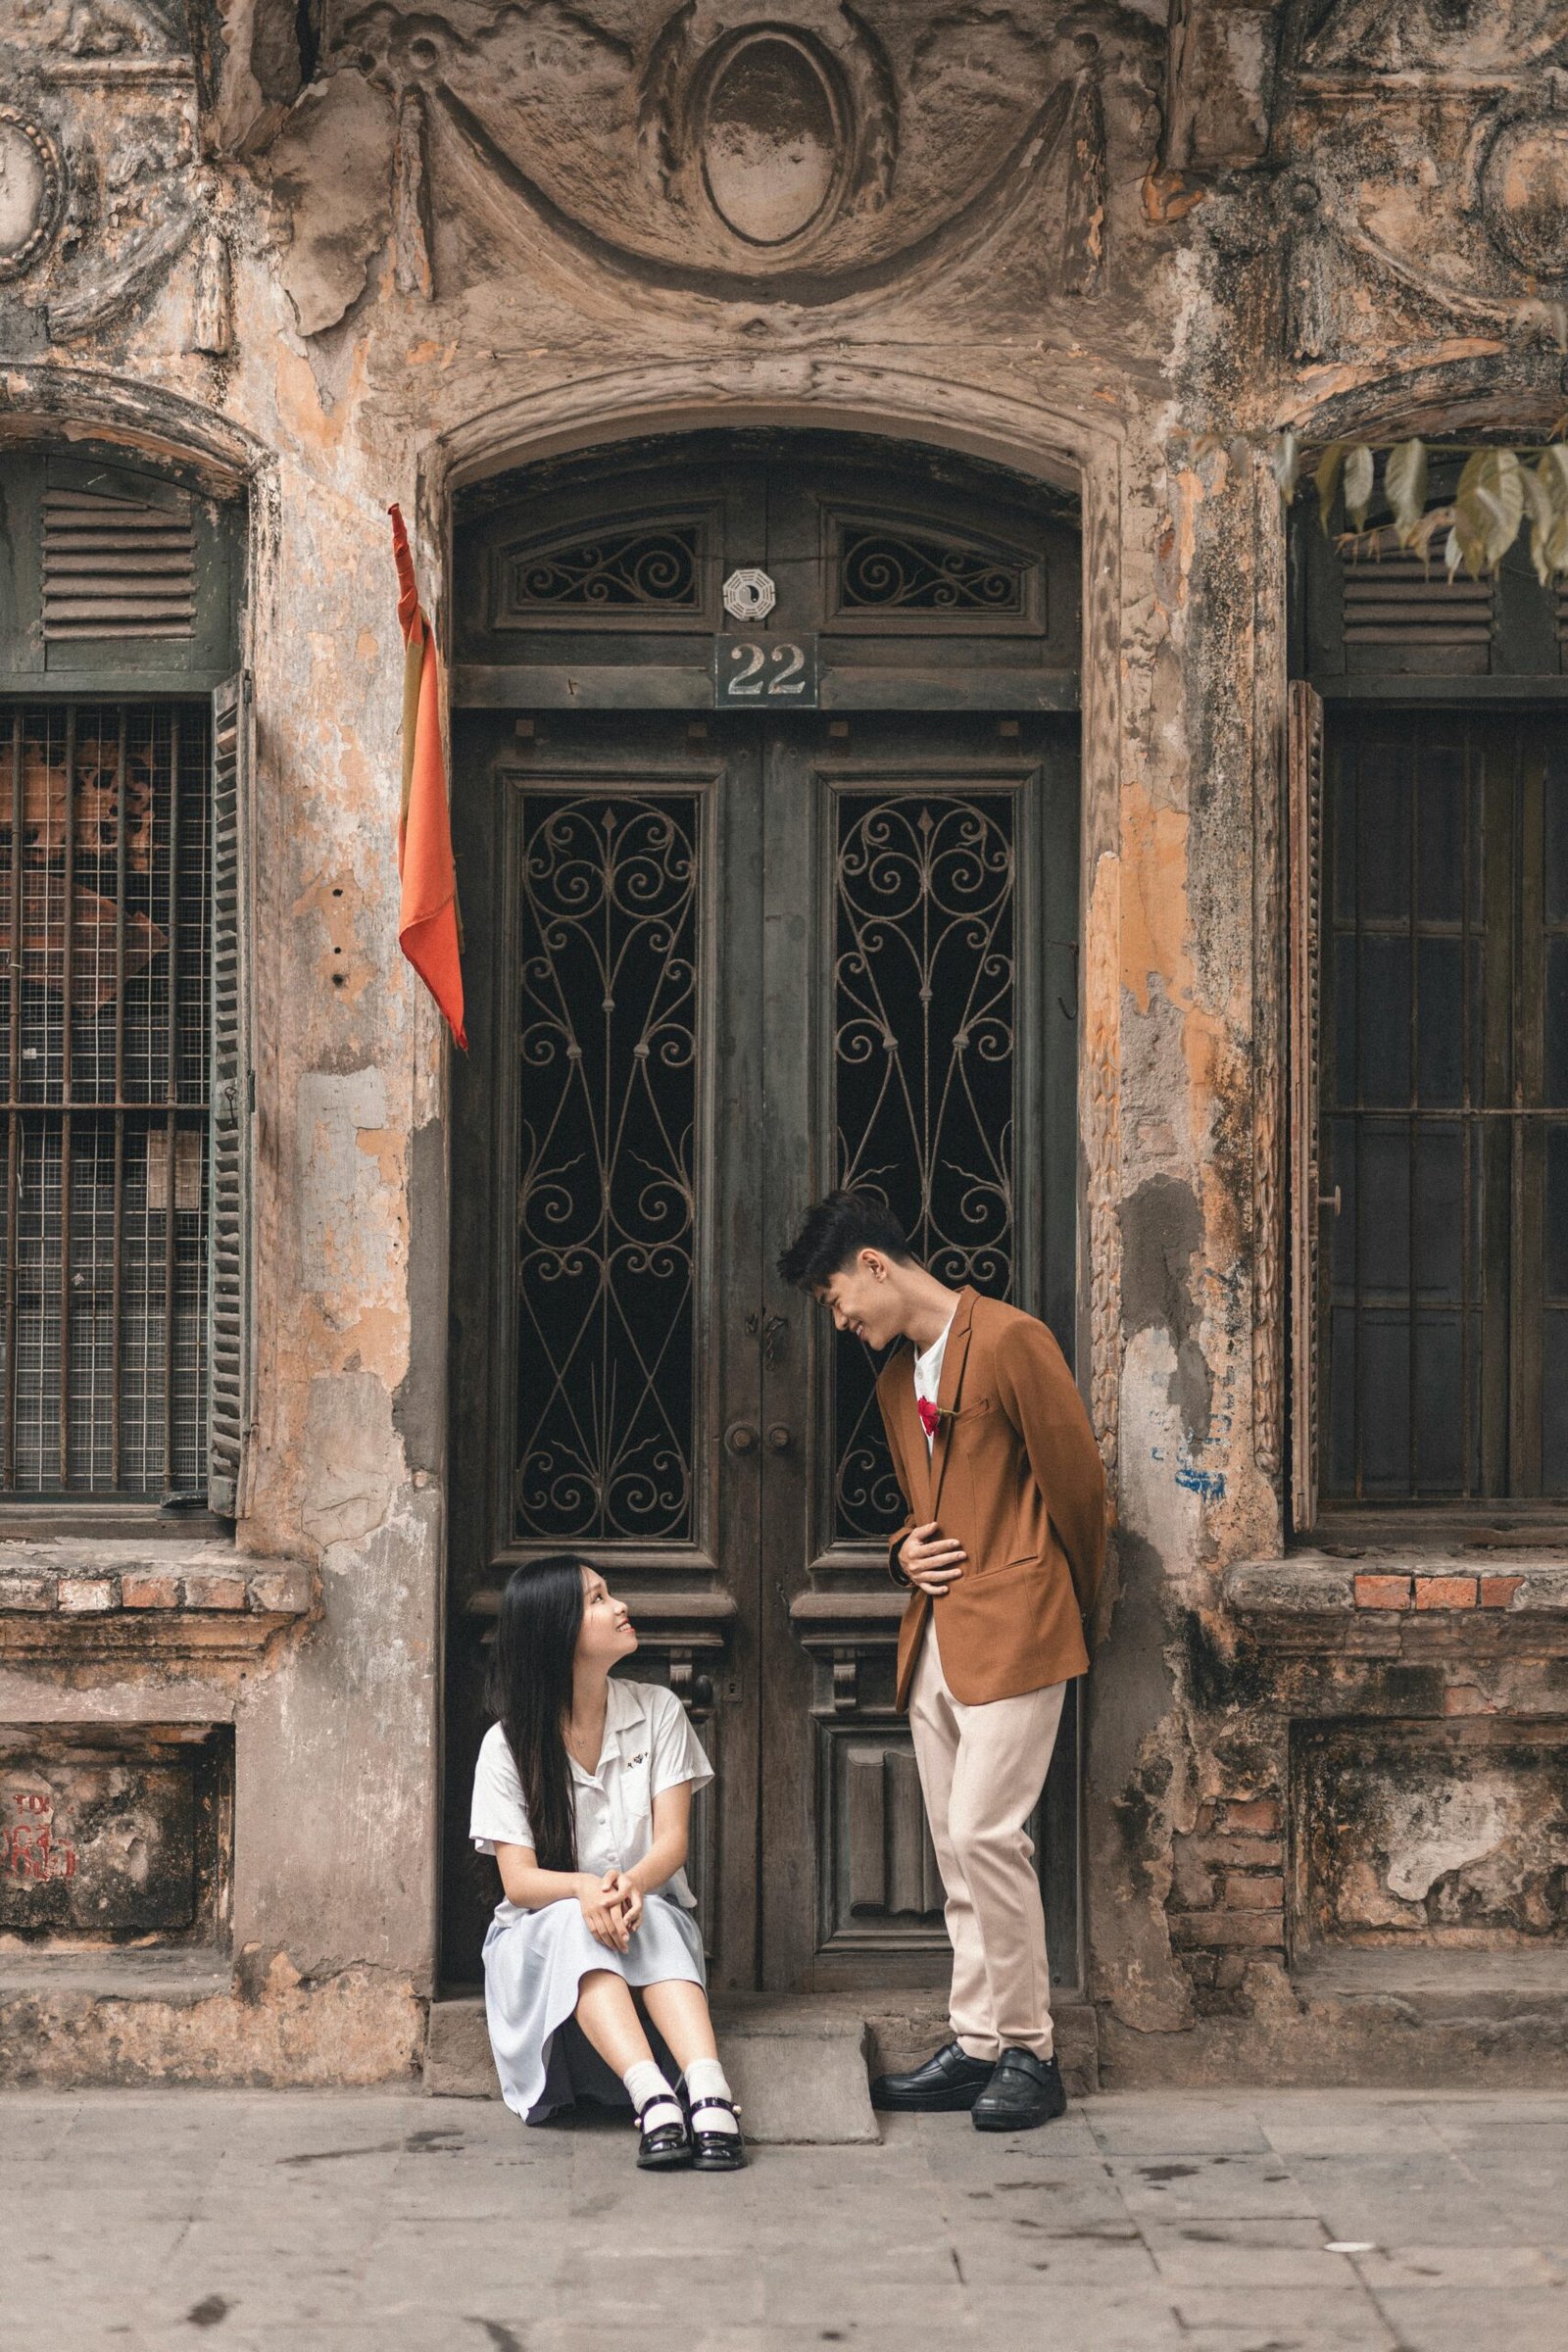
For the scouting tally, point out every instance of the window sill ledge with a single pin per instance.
(1402, 1603)
(82, 1597)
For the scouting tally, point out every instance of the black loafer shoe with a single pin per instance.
(1023, 2092)
(947, 2084)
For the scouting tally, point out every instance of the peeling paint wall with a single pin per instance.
(458, 237)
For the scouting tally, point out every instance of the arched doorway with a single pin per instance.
(765, 792)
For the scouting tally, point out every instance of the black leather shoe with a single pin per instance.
(947, 2084)
(1023, 2092)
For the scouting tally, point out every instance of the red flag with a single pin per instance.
(430, 931)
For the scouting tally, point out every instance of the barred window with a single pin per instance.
(105, 1054)
(1429, 980)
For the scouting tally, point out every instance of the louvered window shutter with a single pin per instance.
(118, 566)
(1304, 828)
(228, 1339)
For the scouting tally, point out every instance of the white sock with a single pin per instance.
(645, 2081)
(705, 2079)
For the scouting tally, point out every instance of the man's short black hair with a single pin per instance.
(835, 1232)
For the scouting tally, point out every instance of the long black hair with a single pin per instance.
(531, 1690)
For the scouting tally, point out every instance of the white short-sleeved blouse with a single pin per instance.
(649, 1745)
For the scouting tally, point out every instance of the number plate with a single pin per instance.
(771, 673)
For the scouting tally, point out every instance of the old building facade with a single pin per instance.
(898, 731)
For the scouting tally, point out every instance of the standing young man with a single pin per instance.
(1002, 1548)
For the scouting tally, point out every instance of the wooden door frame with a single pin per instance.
(1093, 1318)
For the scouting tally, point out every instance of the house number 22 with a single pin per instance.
(778, 672)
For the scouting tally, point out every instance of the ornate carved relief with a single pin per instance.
(1441, 197)
(31, 184)
(100, 184)
(820, 152)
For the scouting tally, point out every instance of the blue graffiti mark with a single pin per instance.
(1210, 1484)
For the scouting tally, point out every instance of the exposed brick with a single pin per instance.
(1444, 1591)
(149, 1588)
(1240, 1853)
(282, 1590)
(1230, 1970)
(1258, 1813)
(1463, 1699)
(86, 1595)
(218, 1588)
(1193, 1887)
(27, 1592)
(1250, 1929)
(1498, 1591)
(1383, 1591)
(1253, 1894)
(1200, 1966)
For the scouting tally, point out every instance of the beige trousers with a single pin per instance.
(981, 1770)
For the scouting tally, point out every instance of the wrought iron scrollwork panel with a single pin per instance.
(655, 568)
(610, 1097)
(926, 1012)
(882, 570)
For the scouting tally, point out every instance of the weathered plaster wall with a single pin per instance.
(1092, 243)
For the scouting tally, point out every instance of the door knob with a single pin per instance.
(741, 1438)
(779, 1438)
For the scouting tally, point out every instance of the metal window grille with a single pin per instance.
(104, 1057)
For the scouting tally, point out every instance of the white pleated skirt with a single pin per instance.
(534, 1961)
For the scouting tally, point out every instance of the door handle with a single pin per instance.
(774, 1332)
(741, 1438)
(779, 1438)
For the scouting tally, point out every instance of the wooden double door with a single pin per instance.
(715, 966)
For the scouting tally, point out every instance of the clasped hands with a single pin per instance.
(613, 1906)
(931, 1561)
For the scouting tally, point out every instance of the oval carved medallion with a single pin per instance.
(30, 191)
(1525, 194)
(770, 139)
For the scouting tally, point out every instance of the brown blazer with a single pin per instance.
(1015, 1475)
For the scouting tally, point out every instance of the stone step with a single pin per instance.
(800, 2065)
(798, 2068)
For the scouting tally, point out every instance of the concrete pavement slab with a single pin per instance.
(321, 2222)
(1459, 2320)
(1253, 2319)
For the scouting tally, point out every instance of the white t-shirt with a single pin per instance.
(649, 1747)
(928, 1374)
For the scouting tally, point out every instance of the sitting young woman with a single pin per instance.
(583, 1794)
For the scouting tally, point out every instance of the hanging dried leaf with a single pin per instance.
(1326, 480)
(1404, 479)
(1286, 465)
(1437, 519)
(1453, 553)
(1551, 470)
(1358, 481)
(1540, 515)
(1488, 509)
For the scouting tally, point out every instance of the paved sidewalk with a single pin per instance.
(138, 2221)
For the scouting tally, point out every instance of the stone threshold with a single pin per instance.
(84, 1596)
(800, 2064)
